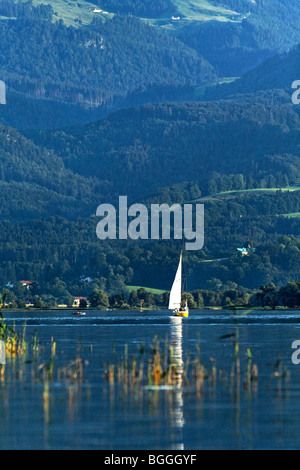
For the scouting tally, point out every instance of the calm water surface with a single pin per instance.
(91, 414)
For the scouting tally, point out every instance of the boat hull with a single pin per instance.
(181, 314)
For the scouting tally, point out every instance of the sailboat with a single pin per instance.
(176, 293)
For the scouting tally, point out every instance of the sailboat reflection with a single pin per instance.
(176, 410)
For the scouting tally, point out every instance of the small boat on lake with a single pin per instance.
(176, 294)
(79, 313)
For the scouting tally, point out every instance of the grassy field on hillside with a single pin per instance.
(72, 11)
(147, 289)
(249, 191)
(81, 13)
(295, 215)
(204, 10)
(193, 11)
(265, 190)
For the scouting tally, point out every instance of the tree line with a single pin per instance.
(230, 296)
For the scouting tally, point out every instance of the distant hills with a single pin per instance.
(236, 35)
(141, 149)
(102, 67)
(233, 35)
(278, 72)
(93, 66)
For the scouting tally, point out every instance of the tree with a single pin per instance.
(38, 303)
(99, 299)
(187, 296)
(19, 290)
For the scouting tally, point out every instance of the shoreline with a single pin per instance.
(216, 309)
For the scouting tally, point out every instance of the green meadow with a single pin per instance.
(248, 191)
(72, 11)
(192, 12)
(147, 289)
(295, 215)
(260, 190)
(204, 10)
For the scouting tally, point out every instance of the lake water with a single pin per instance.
(227, 412)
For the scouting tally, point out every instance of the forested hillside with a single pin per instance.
(278, 72)
(23, 112)
(145, 148)
(35, 183)
(67, 259)
(93, 68)
(229, 155)
(260, 30)
(96, 65)
(233, 35)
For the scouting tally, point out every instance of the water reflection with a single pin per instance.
(176, 411)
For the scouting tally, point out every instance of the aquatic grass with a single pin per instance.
(281, 375)
(23, 359)
(53, 347)
(156, 366)
(72, 372)
(30, 360)
(151, 367)
(134, 375)
(35, 343)
(15, 345)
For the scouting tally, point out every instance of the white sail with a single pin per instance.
(175, 295)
